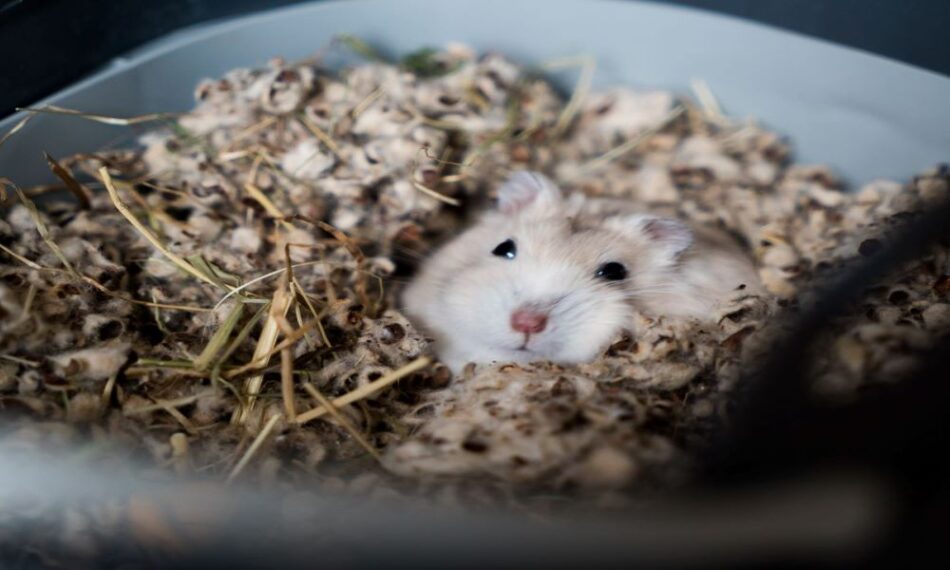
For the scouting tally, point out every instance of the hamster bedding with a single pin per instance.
(214, 288)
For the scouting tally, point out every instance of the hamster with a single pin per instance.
(542, 277)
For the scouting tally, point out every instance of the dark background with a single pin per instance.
(48, 44)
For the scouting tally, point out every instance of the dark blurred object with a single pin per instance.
(50, 44)
(913, 32)
(897, 433)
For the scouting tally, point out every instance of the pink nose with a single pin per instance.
(527, 321)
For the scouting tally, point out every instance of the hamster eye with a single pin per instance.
(612, 271)
(505, 249)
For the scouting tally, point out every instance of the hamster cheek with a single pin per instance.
(593, 323)
(414, 302)
(477, 308)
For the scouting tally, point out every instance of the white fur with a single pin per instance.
(464, 296)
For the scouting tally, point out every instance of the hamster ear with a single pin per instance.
(669, 235)
(527, 190)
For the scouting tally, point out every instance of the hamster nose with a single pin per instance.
(528, 321)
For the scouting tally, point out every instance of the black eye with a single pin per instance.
(505, 249)
(612, 271)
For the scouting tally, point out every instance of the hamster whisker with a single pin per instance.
(642, 295)
(646, 291)
(413, 253)
(556, 302)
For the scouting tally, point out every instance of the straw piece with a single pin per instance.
(116, 121)
(707, 100)
(27, 304)
(344, 239)
(359, 47)
(255, 445)
(588, 65)
(216, 274)
(631, 144)
(220, 337)
(241, 336)
(102, 288)
(280, 304)
(367, 101)
(298, 314)
(165, 363)
(77, 189)
(341, 419)
(165, 404)
(288, 342)
(251, 130)
(267, 204)
(107, 391)
(313, 311)
(432, 193)
(40, 226)
(16, 128)
(258, 279)
(321, 135)
(287, 383)
(23, 260)
(357, 254)
(168, 306)
(146, 233)
(18, 360)
(179, 417)
(367, 390)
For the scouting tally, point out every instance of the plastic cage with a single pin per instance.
(867, 116)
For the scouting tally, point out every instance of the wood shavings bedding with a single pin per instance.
(347, 179)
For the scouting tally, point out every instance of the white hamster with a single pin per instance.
(542, 277)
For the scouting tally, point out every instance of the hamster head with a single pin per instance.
(534, 280)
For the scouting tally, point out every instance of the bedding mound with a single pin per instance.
(275, 223)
